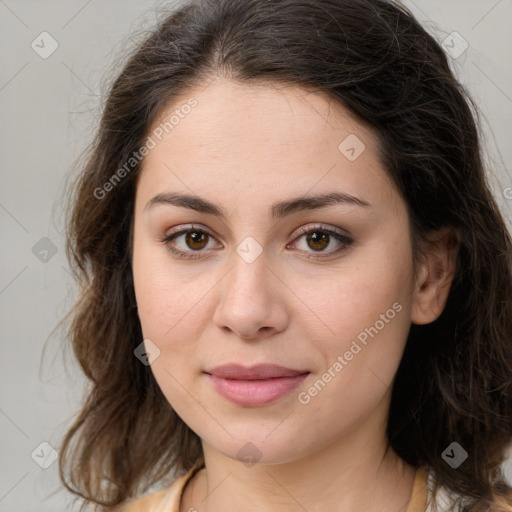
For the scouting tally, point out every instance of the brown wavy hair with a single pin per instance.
(454, 382)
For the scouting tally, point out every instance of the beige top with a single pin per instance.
(168, 499)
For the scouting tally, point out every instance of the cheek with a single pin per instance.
(367, 310)
(160, 295)
(360, 294)
(168, 317)
(171, 309)
(167, 310)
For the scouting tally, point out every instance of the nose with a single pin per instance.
(252, 301)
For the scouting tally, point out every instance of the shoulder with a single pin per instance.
(164, 500)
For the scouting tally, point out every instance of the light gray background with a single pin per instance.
(49, 108)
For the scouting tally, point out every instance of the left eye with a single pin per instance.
(316, 238)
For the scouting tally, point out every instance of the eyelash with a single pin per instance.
(345, 240)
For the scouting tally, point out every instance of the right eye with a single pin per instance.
(192, 238)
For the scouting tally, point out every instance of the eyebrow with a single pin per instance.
(276, 211)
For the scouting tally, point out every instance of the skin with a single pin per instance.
(244, 147)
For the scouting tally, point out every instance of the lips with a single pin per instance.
(257, 372)
(254, 386)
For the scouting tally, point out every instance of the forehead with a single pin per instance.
(261, 139)
(240, 114)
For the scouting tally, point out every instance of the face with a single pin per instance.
(243, 273)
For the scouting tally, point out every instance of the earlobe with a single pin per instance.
(435, 276)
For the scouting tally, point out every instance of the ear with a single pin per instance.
(434, 276)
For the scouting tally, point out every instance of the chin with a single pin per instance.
(255, 447)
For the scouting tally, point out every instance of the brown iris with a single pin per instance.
(196, 237)
(320, 239)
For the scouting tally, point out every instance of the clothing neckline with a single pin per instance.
(418, 499)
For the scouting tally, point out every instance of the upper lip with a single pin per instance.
(259, 371)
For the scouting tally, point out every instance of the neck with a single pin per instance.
(357, 473)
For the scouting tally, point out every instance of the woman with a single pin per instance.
(296, 282)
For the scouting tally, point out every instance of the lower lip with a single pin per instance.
(255, 392)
